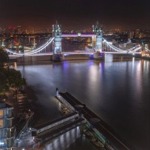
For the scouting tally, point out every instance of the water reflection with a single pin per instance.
(64, 141)
(116, 91)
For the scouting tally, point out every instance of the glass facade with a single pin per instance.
(1, 113)
(1, 123)
(7, 130)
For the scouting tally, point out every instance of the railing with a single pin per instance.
(57, 122)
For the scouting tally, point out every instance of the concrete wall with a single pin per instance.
(34, 60)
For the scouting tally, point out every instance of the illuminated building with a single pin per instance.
(7, 130)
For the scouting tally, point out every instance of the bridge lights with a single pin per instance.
(79, 34)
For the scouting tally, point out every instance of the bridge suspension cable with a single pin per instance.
(34, 51)
(39, 49)
(133, 49)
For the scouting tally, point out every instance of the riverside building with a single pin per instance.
(7, 129)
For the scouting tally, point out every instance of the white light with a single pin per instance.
(133, 49)
(33, 51)
(1, 143)
(79, 34)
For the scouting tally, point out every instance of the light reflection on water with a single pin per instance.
(63, 141)
(118, 92)
(67, 139)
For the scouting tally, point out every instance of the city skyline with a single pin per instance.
(74, 74)
(76, 13)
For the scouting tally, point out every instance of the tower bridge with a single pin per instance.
(99, 45)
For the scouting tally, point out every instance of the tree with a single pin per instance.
(9, 77)
(3, 85)
(14, 78)
(3, 57)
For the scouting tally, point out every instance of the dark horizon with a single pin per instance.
(75, 13)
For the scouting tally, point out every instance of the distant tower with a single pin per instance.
(56, 33)
(98, 31)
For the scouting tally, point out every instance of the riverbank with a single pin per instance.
(48, 59)
(118, 92)
(143, 57)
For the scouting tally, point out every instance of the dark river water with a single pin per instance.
(119, 92)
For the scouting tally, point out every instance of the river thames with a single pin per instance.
(119, 92)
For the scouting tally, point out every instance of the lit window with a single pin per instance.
(1, 123)
(1, 113)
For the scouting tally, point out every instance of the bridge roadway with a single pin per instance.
(96, 122)
(70, 53)
(77, 35)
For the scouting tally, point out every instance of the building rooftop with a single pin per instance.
(4, 105)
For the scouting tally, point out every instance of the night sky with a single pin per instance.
(76, 13)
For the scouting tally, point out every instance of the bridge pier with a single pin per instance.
(108, 57)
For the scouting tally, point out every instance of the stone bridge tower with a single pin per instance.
(57, 33)
(98, 31)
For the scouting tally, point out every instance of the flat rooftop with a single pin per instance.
(4, 105)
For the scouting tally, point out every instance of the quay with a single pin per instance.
(52, 129)
(75, 114)
(57, 124)
(103, 132)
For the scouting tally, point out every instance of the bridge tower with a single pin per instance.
(57, 34)
(98, 31)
